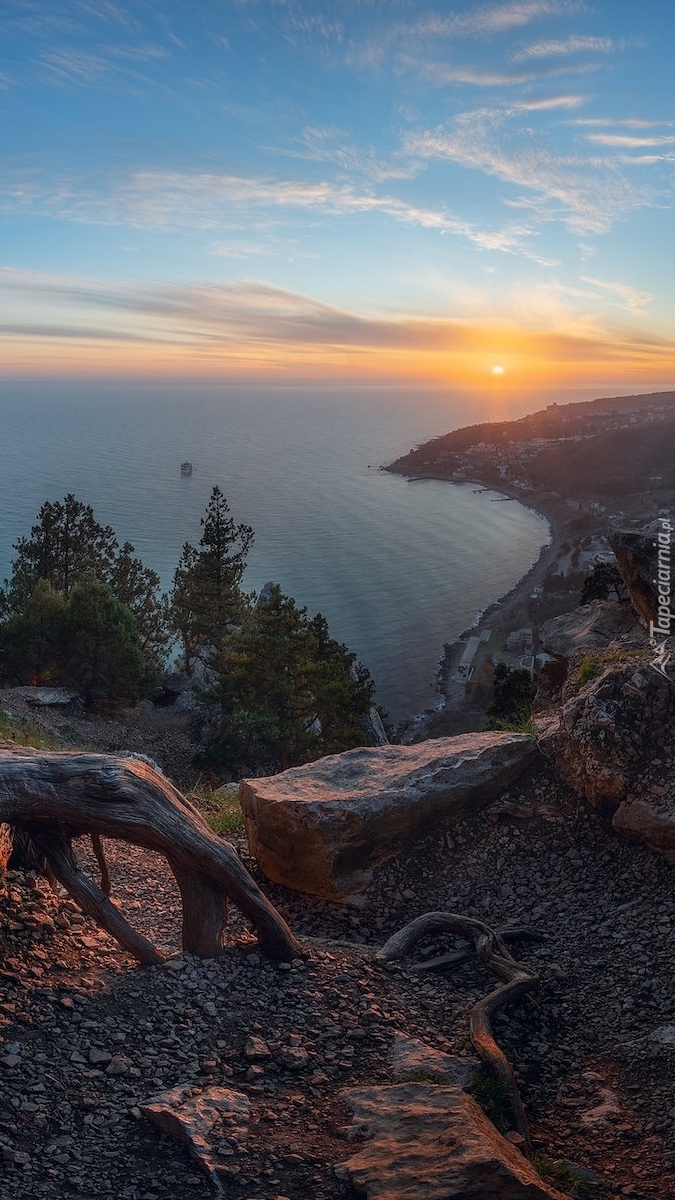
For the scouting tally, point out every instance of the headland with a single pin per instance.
(586, 468)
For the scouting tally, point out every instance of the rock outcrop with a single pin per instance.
(611, 729)
(434, 1143)
(637, 557)
(590, 627)
(323, 827)
(412, 1061)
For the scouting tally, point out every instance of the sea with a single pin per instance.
(397, 567)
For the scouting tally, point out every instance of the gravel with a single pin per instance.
(87, 1036)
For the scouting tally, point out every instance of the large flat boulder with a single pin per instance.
(434, 1143)
(323, 827)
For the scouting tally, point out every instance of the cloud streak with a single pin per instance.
(253, 326)
(589, 197)
(570, 46)
(213, 202)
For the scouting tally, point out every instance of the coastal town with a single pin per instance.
(586, 467)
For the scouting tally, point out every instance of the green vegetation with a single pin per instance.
(289, 692)
(492, 1096)
(22, 733)
(589, 668)
(80, 610)
(206, 598)
(603, 583)
(83, 612)
(219, 807)
(563, 1176)
(513, 693)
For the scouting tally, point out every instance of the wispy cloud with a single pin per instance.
(490, 19)
(571, 45)
(589, 196)
(547, 103)
(627, 141)
(220, 202)
(330, 144)
(413, 42)
(630, 298)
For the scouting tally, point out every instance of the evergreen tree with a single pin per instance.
(100, 645)
(604, 582)
(30, 640)
(137, 587)
(206, 597)
(291, 692)
(68, 546)
(513, 693)
(66, 543)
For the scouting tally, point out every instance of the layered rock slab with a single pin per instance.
(205, 1119)
(323, 827)
(433, 1143)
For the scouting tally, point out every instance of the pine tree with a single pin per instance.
(291, 692)
(66, 543)
(66, 547)
(100, 645)
(206, 597)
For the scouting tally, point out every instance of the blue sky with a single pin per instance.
(347, 190)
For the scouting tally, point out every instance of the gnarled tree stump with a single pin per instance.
(55, 797)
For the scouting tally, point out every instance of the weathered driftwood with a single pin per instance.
(490, 948)
(55, 797)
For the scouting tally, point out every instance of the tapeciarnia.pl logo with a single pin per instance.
(660, 630)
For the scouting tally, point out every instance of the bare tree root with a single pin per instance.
(490, 949)
(55, 797)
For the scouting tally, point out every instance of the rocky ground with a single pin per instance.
(162, 734)
(88, 1036)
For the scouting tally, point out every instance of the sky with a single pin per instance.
(372, 190)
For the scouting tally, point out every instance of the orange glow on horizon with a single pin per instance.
(407, 352)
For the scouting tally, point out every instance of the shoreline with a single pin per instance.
(510, 607)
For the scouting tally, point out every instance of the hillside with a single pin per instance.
(616, 447)
(88, 1036)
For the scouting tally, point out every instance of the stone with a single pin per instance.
(6, 846)
(256, 1049)
(413, 1061)
(589, 627)
(637, 557)
(203, 1118)
(649, 821)
(611, 729)
(323, 827)
(47, 697)
(98, 1057)
(293, 1058)
(663, 1036)
(118, 1065)
(433, 1143)
(606, 1112)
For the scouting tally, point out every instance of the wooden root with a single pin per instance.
(55, 797)
(490, 948)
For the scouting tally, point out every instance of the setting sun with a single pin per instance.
(497, 370)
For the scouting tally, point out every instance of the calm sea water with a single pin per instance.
(397, 568)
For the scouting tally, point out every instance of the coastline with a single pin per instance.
(505, 613)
